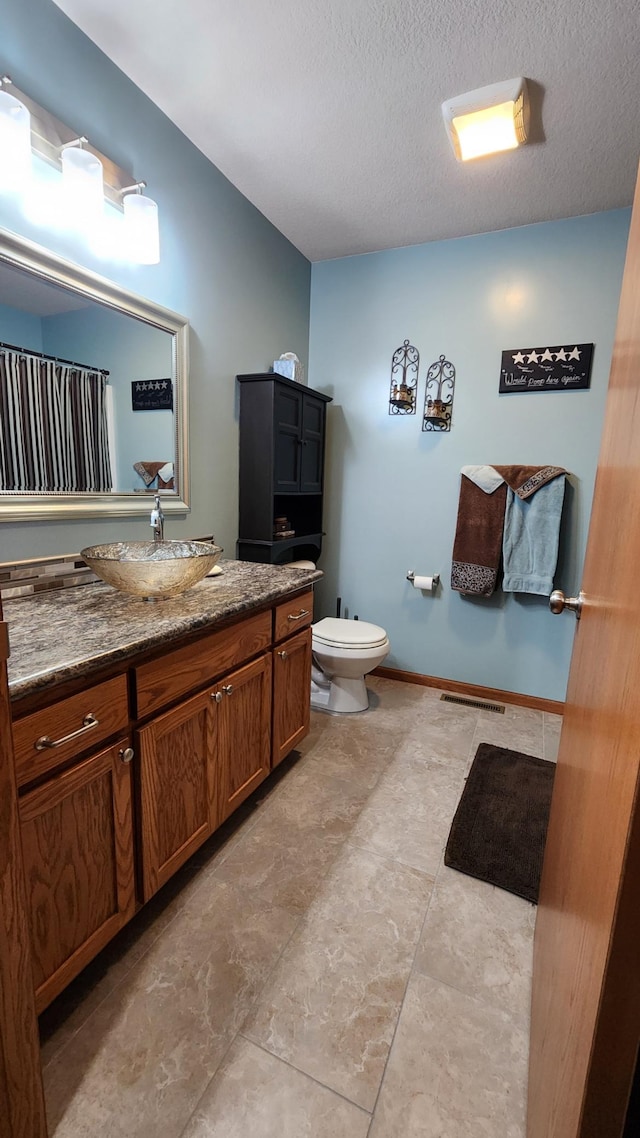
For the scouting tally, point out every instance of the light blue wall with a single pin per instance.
(129, 350)
(392, 490)
(20, 328)
(243, 287)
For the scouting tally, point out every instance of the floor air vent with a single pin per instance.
(497, 707)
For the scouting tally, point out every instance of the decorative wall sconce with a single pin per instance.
(89, 178)
(438, 397)
(405, 362)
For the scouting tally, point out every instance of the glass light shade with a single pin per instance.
(83, 187)
(142, 237)
(15, 144)
(486, 132)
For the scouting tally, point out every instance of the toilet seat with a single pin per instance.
(336, 632)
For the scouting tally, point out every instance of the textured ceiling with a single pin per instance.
(326, 113)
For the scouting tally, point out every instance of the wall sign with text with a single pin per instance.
(152, 395)
(565, 367)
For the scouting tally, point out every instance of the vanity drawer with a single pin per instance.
(164, 680)
(71, 725)
(291, 616)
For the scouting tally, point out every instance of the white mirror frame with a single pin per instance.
(18, 507)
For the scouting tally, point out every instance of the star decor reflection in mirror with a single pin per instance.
(92, 392)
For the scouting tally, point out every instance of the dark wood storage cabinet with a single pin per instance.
(282, 438)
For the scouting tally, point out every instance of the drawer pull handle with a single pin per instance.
(88, 723)
(217, 696)
(227, 689)
(283, 654)
(303, 612)
(126, 754)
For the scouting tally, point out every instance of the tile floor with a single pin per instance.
(316, 970)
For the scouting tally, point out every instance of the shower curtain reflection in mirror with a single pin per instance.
(53, 426)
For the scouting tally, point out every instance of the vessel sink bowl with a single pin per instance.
(152, 568)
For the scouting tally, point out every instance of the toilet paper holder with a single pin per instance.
(435, 578)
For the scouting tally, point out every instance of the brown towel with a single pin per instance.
(149, 470)
(525, 480)
(478, 541)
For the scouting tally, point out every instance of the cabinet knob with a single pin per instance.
(282, 654)
(126, 754)
(227, 689)
(217, 696)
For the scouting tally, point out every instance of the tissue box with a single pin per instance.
(290, 369)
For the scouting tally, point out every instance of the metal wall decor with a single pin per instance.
(405, 362)
(438, 397)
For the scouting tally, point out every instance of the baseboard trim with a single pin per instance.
(494, 695)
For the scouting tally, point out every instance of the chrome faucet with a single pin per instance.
(157, 520)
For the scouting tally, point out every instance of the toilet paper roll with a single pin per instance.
(423, 583)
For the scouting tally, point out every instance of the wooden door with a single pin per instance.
(586, 982)
(22, 1112)
(77, 841)
(175, 788)
(291, 694)
(243, 736)
(313, 416)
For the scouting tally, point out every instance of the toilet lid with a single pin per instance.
(339, 633)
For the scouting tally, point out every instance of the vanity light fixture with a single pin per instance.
(488, 120)
(89, 178)
(82, 185)
(141, 225)
(15, 141)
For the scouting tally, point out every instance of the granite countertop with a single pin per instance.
(62, 635)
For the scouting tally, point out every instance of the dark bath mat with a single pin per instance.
(500, 826)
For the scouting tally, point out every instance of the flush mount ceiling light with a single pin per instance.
(488, 120)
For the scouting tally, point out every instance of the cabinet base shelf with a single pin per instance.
(275, 552)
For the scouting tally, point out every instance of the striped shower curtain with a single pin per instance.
(53, 426)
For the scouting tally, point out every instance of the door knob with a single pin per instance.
(227, 689)
(126, 754)
(558, 603)
(217, 696)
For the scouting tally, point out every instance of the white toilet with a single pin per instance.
(344, 651)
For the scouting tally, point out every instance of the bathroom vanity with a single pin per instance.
(138, 729)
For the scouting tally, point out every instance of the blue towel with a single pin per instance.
(530, 539)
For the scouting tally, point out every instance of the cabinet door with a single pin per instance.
(313, 413)
(243, 736)
(77, 843)
(291, 694)
(287, 439)
(175, 788)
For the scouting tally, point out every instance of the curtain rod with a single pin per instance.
(56, 359)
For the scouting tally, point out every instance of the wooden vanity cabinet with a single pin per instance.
(291, 694)
(77, 843)
(291, 675)
(175, 788)
(91, 819)
(242, 738)
(198, 762)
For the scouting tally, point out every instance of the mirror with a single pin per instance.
(93, 393)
